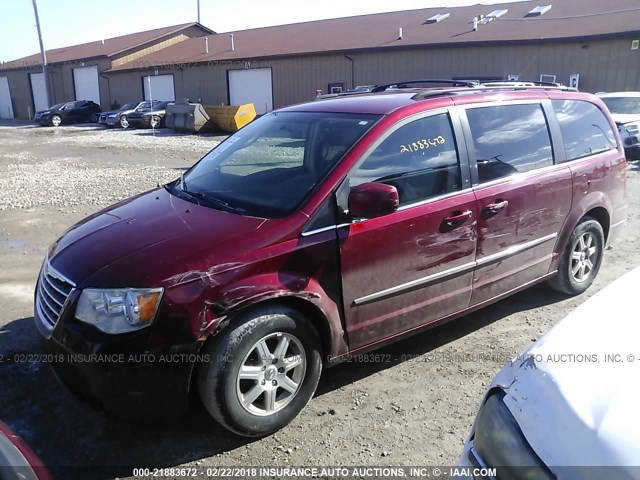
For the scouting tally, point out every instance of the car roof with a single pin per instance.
(386, 102)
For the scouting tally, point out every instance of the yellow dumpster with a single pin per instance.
(233, 118)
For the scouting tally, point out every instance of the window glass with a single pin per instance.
(623, 105)
(585, 129)
(509, 139)
(269, 167)
(419, 159)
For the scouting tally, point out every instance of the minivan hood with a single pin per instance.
(156, 228)
(625, 118)
(581, 383)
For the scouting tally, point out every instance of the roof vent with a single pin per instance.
(400, 33)
(539, 11)
(206, 44)
(493, 15)
(233, 43)
(102, 41)
(437, 18)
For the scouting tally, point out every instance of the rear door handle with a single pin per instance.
(494, 208)
(458, 218)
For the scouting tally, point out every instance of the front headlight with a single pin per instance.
(499, 442)
(119, 310)
(113, 116)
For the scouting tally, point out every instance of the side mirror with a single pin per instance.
(370, 200)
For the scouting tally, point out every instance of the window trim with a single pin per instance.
(460, 145)
(473, 160)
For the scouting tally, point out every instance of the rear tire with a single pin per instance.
(260, 373)
(56, 120)
(581, 259)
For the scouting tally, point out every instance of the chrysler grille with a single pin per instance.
(51, 295)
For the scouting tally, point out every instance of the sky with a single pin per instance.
(71, 22)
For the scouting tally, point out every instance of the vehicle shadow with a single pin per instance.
(76, 441)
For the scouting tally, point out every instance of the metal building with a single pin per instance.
(590, 44)
(77, 72)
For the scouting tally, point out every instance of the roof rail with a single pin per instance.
(482, 88)
(455, 83)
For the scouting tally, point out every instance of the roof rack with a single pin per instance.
(455, 83)
(483, 88)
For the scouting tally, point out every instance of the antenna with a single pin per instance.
(198, 10)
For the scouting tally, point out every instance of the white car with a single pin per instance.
(569, 403)
(625, 111)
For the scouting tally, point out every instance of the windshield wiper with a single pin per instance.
(212, 201)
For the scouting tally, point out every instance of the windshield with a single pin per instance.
(56, 106)
(623, 105)
(271, 165)
(129, 106)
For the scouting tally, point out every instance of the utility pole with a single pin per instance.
(44, 54)
(198, 11)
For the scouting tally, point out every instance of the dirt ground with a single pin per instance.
(414, 409)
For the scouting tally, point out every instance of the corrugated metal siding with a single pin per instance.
(603, 65)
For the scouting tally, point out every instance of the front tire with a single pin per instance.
(261, 373)
(124, 123)
(582, 258)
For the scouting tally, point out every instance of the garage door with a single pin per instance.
(39, 91)
(251, 86)
(159, 87)
(85, 82)
(6, 109)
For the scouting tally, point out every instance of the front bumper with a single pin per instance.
(128, 386)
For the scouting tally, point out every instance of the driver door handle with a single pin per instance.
(458, 218)
(495, 207)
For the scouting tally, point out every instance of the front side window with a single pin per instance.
(272, 164)
(509, 139)
(419, 159)
(585, 129)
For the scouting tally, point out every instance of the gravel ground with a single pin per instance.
(413, 406)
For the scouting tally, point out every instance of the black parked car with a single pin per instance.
(149, 118)
(68, 112)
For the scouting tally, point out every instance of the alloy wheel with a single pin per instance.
(271, 374)
(583, 257)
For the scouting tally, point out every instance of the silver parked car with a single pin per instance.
(625, 111)
(568, 406)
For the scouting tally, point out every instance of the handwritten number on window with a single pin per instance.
(423, 144)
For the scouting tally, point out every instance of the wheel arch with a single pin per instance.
(596, 205)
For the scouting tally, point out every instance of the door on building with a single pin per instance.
(6, 108)
(86, 83)
(159, 87)
(251, 86)
(39, 92)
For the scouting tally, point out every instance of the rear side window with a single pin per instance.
(509, 139)
(585, 129)
(419, 159)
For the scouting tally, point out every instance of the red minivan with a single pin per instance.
(324, 230)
